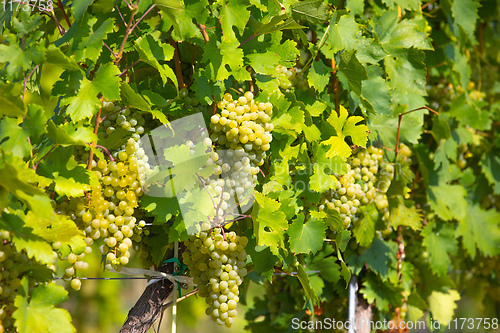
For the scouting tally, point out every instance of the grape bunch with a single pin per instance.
(109, 210)
(216, 261)
(367, 180)
(190, 102)
(242, 134)
(289, 77)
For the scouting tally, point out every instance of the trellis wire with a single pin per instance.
(161, 278)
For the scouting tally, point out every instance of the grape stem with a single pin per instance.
(177, 62)
(126, 69)
(51, 149)
(106, 151)
(400, 118)
(106, 116)
(27, 79)
(96, 128)
(61, 8)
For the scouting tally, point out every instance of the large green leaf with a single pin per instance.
(37, 314)
(306, 237)
(479, 230)
(440, 243)
(269, 222)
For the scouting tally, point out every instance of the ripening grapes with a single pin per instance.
(216, 261)
(108, 210)
(367, 180)
(290, 77)
(241, 131)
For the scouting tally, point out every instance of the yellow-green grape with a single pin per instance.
(217, 265)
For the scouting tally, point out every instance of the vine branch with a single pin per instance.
(400, 118)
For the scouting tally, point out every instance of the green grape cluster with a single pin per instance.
(190, 102)
(290, 77)
(117, 117)
(367, 180)
(216, 262)
(242, 134)
(109, 210)
(111, 215)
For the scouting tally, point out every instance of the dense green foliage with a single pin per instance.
(309, 95)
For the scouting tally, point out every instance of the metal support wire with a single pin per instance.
(352, 304)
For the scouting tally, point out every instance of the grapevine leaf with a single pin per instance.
(306, 237)
(286, 50)
(38, 313)
(404, 4)
(380, 257)
(345, 126)
(17, 139)
(85, 104)
(395, 34)
(319, 75)
(34, 123)
(152, 51)
(490, 166)
(442, 305)
(416, 306)
(104, 6)
(465, 14)
(405, 216)
(448, 201)
(352, 71)
(70, 179)
(69, 134)
(205, 89)
(328, 267)
(90, 46)
(107, 82)
(263, 63)
(56, 57)
(233, 14)
(469, 114)
(290, 122)
(24, 238)
(19, 60)
(384, 127)
(322, 178)
(270, 223)
(355, 7)
(382, 293)
(377, 91)
(278, 23)
(80, 7)
(365, 230)
(407, 71)
(344, 34)
(134, 99)
(261, 257)
(12, 105)
(312, 11)
(181, 15)
(479, 229)
(306, 285)
(219, 57)
(439, 242)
